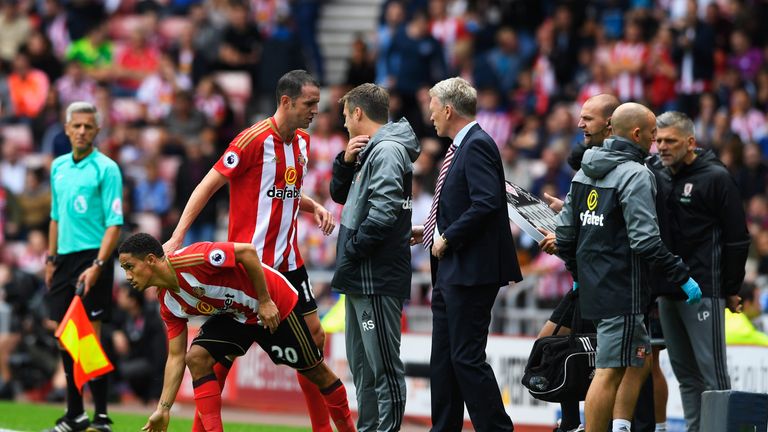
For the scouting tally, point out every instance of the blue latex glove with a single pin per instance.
(692, 290)
(575, 285)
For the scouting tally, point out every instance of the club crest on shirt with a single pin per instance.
(302, 160)
(687, 190)
(205, 308)
(199, 291)
(291, 175)
(230, 159)
(217, 257)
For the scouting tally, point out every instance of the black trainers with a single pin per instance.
(101, 423)
(66, 424)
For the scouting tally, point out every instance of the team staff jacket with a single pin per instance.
(373, 255)
(608, 234)
(211, 282)
(706, 226)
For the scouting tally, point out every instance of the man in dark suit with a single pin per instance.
(473, 254)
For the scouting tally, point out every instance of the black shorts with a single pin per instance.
(69, 267)
(291, 344)
(563, 314)
(300, 280)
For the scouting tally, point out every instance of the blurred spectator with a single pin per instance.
(661, 71)
(240, 47)
(557, 175)
(152, 194)
(212, 102)
(31, 259)
(415, 60)
(191, 60)
(13, 168)
(205, 34)
(506, 59)
(447, 29)
(745, 58)
(739, 328)
(41, 55)
(628, 58)
(134, 63)
(493, 117)
(15, 28)
(54, 24)
(94, 52)
(185, 122)
(35, 201)
(139, 341)
(283, 39)
(28, 87)
(6, 106)
(200, 157)
(360, 67)
(693, 55)
(753, 175)
(75, 85)
(306, 14)
(157, 90)
(746, 121)
(552, 280)
(394, 16)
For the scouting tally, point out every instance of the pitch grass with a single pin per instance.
(34, 418)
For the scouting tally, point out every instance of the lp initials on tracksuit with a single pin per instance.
(367, 322)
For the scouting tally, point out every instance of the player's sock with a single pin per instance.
(74, 398)
(318, 412)
(99, 389)
(336, 399)
(208, 402)
(221, 372)
(661, 427)
(622, 425)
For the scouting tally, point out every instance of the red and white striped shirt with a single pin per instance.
(211, 282)
(629, 86)
(265, 178)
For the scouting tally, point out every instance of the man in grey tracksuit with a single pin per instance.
(372, 178)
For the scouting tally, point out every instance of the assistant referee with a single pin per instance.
(86, 215)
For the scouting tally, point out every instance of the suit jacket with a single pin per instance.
(472, 215)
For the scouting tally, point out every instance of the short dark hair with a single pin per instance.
(372, 99)
(292, 82)
(140, 245)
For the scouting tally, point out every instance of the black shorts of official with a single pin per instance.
(291, 344)
(563, 314)
(69, 267)
(300, 280)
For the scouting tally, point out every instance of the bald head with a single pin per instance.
(605, 103)
(595, 117)
(636, 123)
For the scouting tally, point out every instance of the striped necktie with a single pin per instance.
(429, 226)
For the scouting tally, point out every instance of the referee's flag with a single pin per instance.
(76, 334)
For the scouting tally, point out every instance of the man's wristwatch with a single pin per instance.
(50, 259)
(98, 262)
(445, 240)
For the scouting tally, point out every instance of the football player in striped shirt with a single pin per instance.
(244, 302)
(265, 166)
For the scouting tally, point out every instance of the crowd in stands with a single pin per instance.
(176, 80)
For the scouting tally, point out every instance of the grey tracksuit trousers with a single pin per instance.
(695, 339)
(373, 330)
